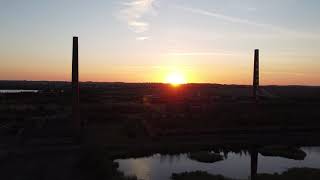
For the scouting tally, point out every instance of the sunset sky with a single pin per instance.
(146, 40)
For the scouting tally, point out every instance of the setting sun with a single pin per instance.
(175, 79)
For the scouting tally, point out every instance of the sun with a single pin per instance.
(175, 79)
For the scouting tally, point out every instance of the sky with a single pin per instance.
(206, 41)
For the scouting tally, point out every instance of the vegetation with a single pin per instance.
(283, 151)
(194, 109)
(290, 174)
(293, 174)
(96, 164)
(118, 116)
(197, 175)
(206, 157)
(173, 149)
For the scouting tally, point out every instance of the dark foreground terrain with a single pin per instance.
(132, 120)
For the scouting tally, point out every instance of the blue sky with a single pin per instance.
(143, 40)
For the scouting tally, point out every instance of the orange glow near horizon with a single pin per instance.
(175, 79)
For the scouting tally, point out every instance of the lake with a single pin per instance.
(235, 165)
(17, 91)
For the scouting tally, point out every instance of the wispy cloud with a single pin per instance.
(285, 73)
(138, 27)
(203, 53)
(200, 54)
(232, 19)
(142, 38)
(132, 13)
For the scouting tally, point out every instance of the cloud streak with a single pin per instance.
(133, 12)
(200, 54)
(244, 21)
(142, 38)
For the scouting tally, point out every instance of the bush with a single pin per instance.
(96, 164)
(206, 157)
(197, 175)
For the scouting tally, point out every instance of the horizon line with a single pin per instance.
(209, 83)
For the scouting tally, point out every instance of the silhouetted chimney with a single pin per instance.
(256, 73)
(75, 85)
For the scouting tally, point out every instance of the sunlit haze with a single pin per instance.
(206, 41)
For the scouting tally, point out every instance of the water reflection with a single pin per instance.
(235, 165)
(17, 91)
(254, 162)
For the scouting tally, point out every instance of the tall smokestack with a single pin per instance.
(75, 85)
(256, 73)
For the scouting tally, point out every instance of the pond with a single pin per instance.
(235, 165)
(17, 91)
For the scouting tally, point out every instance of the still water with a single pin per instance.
(17, 91)
(235, 165)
